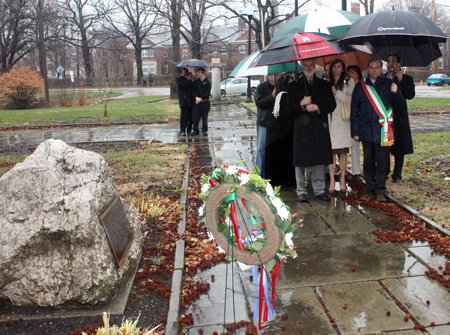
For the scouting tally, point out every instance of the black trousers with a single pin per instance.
(376, 166)
(186, 119)
(398, 166)
(200, 111)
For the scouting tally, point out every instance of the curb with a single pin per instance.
(173, 316)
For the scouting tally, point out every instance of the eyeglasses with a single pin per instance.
(308, 65)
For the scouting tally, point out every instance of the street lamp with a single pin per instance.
(249, 89)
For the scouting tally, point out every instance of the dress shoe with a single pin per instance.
(396, 180)
(366, 196)
(302, 198)
(183, 133)
(194, 133)
(204, 133)
(381, 197)
(358, 176)
(323, 197)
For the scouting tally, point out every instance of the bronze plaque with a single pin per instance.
(118, 230)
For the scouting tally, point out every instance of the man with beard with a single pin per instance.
(403, 144)
(310, 100)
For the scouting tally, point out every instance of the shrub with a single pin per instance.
(20, 86)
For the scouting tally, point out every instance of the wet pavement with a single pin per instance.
(335, 239)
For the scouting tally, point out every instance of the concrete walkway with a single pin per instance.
(334, 239)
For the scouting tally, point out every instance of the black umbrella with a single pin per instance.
(410, 35)
(421, 55)
(394, 27)
(193, 63)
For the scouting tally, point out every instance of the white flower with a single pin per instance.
(277, 203)
(269, 190)
(288, 238)
(205, 187)
(243, 177)
(228, 221)
(201, 210)
(231, 170)
(283, 213)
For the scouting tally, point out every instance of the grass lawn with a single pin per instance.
(442, 104)
(116, 108)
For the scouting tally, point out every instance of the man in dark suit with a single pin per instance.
(373, 102)
(185, 99)
(311, 99)
(403, 144)
(201, 93)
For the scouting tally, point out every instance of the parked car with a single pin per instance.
(438, 79)
(233, 86)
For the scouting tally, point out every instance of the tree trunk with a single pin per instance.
(137, 54)
(175, 27)
(85, 50)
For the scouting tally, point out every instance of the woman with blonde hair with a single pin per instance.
(341, 139)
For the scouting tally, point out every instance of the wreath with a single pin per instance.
(267, 244)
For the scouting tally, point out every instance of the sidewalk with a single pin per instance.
(334, 239)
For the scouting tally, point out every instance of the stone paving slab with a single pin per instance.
(424, 253)
(438, 330)
(312, 225)
(209, 308)
(330, 259)
(367, 305)
(348, 222)
(414, 292)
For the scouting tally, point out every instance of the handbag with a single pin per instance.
(345, 109)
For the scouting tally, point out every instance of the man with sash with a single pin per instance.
(403, 144)
(371, 120)
(310, 100)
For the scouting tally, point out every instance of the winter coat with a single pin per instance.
(279, 127)
(202, 89)
(340, 129)
(364, 120)
(403, 143)
(312, 144)
(264, 101)
(185, 86)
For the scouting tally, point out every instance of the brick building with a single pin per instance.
(231, 42)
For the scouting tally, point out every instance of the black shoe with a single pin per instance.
(204, 133)
(194, 133)
(323, 197)
(396, 180)
(302, 198)
(183, 133)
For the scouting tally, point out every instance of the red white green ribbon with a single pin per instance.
(386, 117)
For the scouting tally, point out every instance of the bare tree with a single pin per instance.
(82, 18)
(195, 11)
(173, 14)
(267, 15)
(110, 63)
(134, 20)
(17, 27)
(368, 5)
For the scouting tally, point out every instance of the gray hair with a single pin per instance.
(375, 59)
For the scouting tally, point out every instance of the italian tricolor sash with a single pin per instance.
(386, 119)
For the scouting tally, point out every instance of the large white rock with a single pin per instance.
(53, 248)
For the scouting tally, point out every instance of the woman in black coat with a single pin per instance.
(279, 166)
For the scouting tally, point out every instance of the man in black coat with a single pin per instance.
(264, 100)
(311, 99)
(185, 99)
(403, 144)
(201, 93)
(371, 123)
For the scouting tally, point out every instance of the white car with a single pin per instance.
(232, 86)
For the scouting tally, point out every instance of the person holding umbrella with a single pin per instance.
(371, 121)
(310, 100)
(403, 144)
(185, 84)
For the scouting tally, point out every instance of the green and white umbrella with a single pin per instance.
(243, 69)
(326, 21)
